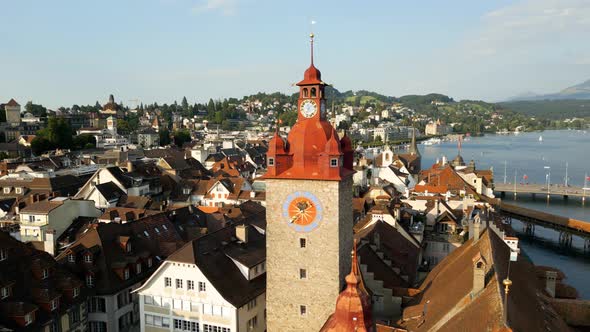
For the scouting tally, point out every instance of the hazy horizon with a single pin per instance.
(60, 54)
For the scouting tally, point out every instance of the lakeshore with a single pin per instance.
(524, 154)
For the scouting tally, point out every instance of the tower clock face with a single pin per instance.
(309, 108)
(302, 211)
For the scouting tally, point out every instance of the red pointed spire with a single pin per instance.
(353, 307)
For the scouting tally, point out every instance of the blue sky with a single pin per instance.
(77, 52)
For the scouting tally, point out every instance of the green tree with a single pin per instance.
(181, 137)
(41, 144)
(36, 110)
(184, 104)
(84, 141)
(288, 118)
(164, 137)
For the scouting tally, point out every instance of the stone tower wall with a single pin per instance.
(326, 257)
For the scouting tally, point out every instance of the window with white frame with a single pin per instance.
(158, 321)
(185, 325)
(71, 258)
(214, 328)
(178, 283)
(168, 282)
(148, 299)
(252, 323)
(7, 190)
(18, 190)
(97, 326)
(126, 274)
(202, 286)
(88, 258)
(45, 274)
(138, 268)
(333, 162)
(97, 304)
(76, 292)
(128, 247)
(89, 280)
(4, 292)
(149, 262)
(54, 304)
(190, 285)
(28, 319)
(3, 254)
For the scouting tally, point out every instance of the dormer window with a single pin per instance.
(54, 304)
(45, 274)
(7, 190)
(186, 191)
(271, 161)
(126, 274)
(18, 190)
(334, 162)
(3, 254)
(5, 292)
(28, 319)
(76, 292)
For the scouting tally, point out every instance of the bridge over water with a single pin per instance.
(541, 189)
(564, 225)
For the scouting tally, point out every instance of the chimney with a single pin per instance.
(475, 228)
(550, 281)
(479, 275)
(242, 233)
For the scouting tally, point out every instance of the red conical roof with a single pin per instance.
(345, 143)
(333, 144)
(276, 145)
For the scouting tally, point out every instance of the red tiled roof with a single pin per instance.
(12, 103)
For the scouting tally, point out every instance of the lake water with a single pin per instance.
(525, 154)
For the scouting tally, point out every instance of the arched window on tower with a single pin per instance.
(313, 92)
(305, 93)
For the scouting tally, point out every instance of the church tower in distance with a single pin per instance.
(309, 214)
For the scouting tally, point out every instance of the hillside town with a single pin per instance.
(328, 222)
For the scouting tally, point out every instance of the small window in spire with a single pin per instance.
(271, 161)
(334, 162)
(305, 93)
(313, 92)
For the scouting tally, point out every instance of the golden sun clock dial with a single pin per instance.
(302, 211)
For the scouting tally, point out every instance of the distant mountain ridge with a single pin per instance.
(579, 91)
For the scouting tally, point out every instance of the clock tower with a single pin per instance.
(308, 213)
